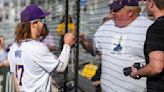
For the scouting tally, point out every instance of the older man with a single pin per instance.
(121, 43)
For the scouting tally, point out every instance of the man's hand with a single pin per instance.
(134, 73)
(69, 39)
(96, 83)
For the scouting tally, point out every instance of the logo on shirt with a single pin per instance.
(118, 43)
(18, 53)
(118, 46)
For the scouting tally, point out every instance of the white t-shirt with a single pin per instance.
(121, 47)
(32, 62)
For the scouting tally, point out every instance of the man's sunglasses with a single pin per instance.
(43, 20)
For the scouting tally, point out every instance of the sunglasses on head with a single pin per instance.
(43, 20)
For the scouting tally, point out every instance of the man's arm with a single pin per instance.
(5, 63)
(155, 66)
(87, 44)
(69, 40)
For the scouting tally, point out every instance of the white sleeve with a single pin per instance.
(63, 58)
(97, 44)
(11, 62)
(48, 61)
(41, 55)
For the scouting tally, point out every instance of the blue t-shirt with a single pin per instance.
(3, 55)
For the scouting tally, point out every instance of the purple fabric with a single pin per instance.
(32, 12)
(118, 4)
(115, 5)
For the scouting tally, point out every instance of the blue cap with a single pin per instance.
(32, 12)
(118, 4)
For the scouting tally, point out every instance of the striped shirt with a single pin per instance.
(121, 47)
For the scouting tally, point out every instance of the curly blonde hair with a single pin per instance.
(23, 31)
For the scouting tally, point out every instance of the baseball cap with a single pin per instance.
(118, 4)
(32, 12)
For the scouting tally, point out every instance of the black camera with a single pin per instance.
(127, 70)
